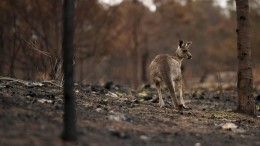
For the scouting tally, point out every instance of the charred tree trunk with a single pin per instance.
(246, 101)
(135, 57)
(144, 62)
(136, 45)
(145, 55)
(69, 132)
(137, 17)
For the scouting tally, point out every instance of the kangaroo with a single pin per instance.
(167, 69)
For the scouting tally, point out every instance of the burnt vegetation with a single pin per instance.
(115, 101)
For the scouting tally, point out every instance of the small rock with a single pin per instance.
(142, 94)
(144, 137)
(197, 144)
(117, 117)
(112, 95)
(45, 101)
(229, 126)
(99, 110)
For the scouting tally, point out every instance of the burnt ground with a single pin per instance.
(31, 114)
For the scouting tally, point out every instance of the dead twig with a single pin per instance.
(33, 100)
(52, 83)
(35, 47)
(15, 80)
(27, 83)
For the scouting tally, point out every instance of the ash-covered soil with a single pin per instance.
(31, 113)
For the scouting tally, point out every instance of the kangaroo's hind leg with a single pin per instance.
(181, 100)
(170, 85)
(158, 87)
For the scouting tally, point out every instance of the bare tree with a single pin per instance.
(69, 132)
(137, 17)
(246, 102)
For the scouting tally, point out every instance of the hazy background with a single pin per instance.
(115, 40)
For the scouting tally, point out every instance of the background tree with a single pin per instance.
(246, 100)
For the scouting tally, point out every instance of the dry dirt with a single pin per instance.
(31, 114)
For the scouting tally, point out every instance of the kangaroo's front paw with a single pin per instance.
(183, 106)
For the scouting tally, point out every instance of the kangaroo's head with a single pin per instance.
(183, 50)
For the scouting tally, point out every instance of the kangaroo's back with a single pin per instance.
(164, 68)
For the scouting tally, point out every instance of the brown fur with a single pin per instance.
(167, 69)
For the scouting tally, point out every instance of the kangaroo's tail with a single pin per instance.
(167, 78)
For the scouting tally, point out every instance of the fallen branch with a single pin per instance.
(27, 83)
(15, 80)
(51, 82)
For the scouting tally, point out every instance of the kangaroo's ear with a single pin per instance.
(188, 44)
(180, 43)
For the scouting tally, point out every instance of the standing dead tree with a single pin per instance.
(69, 132)
(246, 101)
